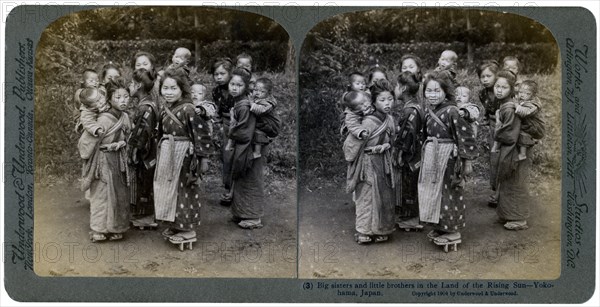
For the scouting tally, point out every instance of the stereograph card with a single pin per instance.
(303, 216)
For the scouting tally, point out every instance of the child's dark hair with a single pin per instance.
(113, 85)
(375, 69)
(510, 77)
(444, 80)
(144, 77)
(409, 80)
(182, 80)
(532, 85)
(148, 55)
(267, 83)
(245, 74)
(111, 65)
(379, 87)
(225, 62)
(419, 74)
(88, 95)
(492, 65)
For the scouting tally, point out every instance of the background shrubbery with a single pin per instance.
(354, 41)
(68, 46)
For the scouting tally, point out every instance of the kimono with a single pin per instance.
(490, 106)
(106, 175)
(144, 140)
(224, 103)
(372, 178)
(449, 141)
(246, 173)
(512, 174)
(183, 140)
(409, 143)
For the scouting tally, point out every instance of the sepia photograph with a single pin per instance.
(430, 146)
(165, 145)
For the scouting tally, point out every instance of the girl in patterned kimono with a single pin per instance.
(408, 145)
(105, 172)
(512, 173)
(143, 144)
(372, 174)
(183, 150)
(246, 171)
(449, 146)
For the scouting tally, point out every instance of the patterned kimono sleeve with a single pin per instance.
(199, 132)
(509, 126)
(144, 126)
(243, 129)
(463, 134)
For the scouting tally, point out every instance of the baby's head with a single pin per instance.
(463, 94)
(93, 99)
(181, 57)
(244, 60)
(198, 93)
(89, 79)
(358, 102)
(527, 90)
(511, 63)
(262, 88)
(447, 59)
(356, 82)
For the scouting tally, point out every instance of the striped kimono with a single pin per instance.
(440, 189)
(184, 139)
(372, 177)
(106, 175)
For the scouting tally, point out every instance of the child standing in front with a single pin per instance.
(221, 71)
(371, 175)
(105, 172)
(143, 144)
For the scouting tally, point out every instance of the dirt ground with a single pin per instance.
(488, 251)
(62, 245)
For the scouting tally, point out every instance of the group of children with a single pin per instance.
(124, 124)
(428, 153)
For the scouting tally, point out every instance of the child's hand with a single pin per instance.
(461, 112)
(363, 134)
(99, 132)
(200, 111)
(519, 110)
(467, 168)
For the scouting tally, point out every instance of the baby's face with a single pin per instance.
(513, 66)
(358, 83)
(462, 95)
(525, 93)
(181, 56)
(90, 80)
(198, 93)
(260, 91)
(362, 105)
(446, 60)
(244, 63)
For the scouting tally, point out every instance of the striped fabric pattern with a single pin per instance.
(431, 180)
(166, 177)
